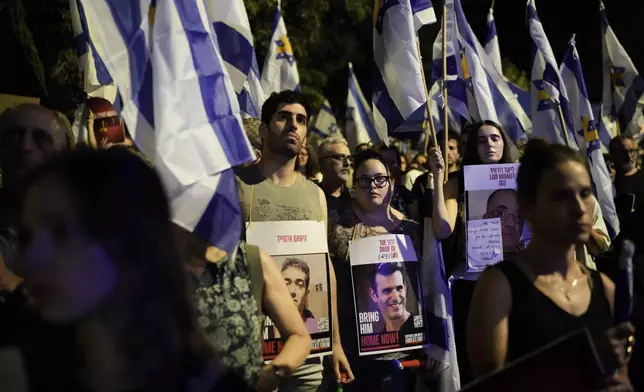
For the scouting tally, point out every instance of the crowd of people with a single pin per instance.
(101, 292)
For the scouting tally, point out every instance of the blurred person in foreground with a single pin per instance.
(103, 270)
(544, 294)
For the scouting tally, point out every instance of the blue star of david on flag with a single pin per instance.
(546, 101)
(284, 50)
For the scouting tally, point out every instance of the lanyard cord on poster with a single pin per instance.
(250, 204)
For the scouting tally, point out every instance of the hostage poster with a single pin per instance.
(387, 295)
(299, 249)
(494, 229)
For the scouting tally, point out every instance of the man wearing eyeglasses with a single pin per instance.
(335, 162)
(629, 181)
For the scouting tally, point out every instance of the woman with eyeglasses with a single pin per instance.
(369, 214)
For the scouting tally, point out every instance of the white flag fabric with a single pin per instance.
(586, 129)
(280, 69)
(237, 49)
(359, 119)
(97, 81)
(622, 85)
(325, 124)
(492, 42)
(398, 94)
(179, 105)
(547, 90)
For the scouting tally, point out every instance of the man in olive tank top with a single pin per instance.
(272, 190)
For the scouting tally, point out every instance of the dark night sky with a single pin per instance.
(560, 19)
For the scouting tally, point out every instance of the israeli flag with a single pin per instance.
(492, 42)
(398, 88)
(179, 105)
(237, 49)
(549, 97)
(359, 118)
(623, 86)
(325, 124)
(280, 70)
(586, 129)
(494, 99)
(458, 99)
(97, 81)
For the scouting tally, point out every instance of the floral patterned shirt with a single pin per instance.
(230, 315)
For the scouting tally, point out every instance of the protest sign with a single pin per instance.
(387, 295)
(494, 226)
(300, 251)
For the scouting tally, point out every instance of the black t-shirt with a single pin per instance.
(633, 185)
(334, 203)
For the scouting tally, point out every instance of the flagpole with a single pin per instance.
(428, 107)
(563, 124)
(444, 88)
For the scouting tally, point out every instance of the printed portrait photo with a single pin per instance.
(392, 291)
(503, 204)
(306, 281)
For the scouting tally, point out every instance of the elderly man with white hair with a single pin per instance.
(335, 162)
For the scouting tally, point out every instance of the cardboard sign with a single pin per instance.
(387, 295)
(490, 197)
(300, 251)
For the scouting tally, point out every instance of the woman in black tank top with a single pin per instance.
(545, 294)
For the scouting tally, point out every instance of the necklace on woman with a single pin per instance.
(566, 293)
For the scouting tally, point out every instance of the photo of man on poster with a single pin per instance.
(503, 204)
(389, 292)
(297, 277)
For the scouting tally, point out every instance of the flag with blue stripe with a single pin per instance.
(237, 49)
(325, 124)
(548, 92)
(622, 85)
(179, 105)
(586, 129)
(455, 81)
(492, 42)
(359, 124)
(494, 99)
(280, 69)
(398, 89)
(97, 81)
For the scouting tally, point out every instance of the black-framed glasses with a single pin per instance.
(378, 182)
(340, 158)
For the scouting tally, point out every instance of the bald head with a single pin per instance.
(503, 204)
(29, 134)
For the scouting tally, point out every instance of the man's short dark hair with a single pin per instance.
(385, 269)
(298, 264)
(285, 97)
(617, 142)
(451, 135)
